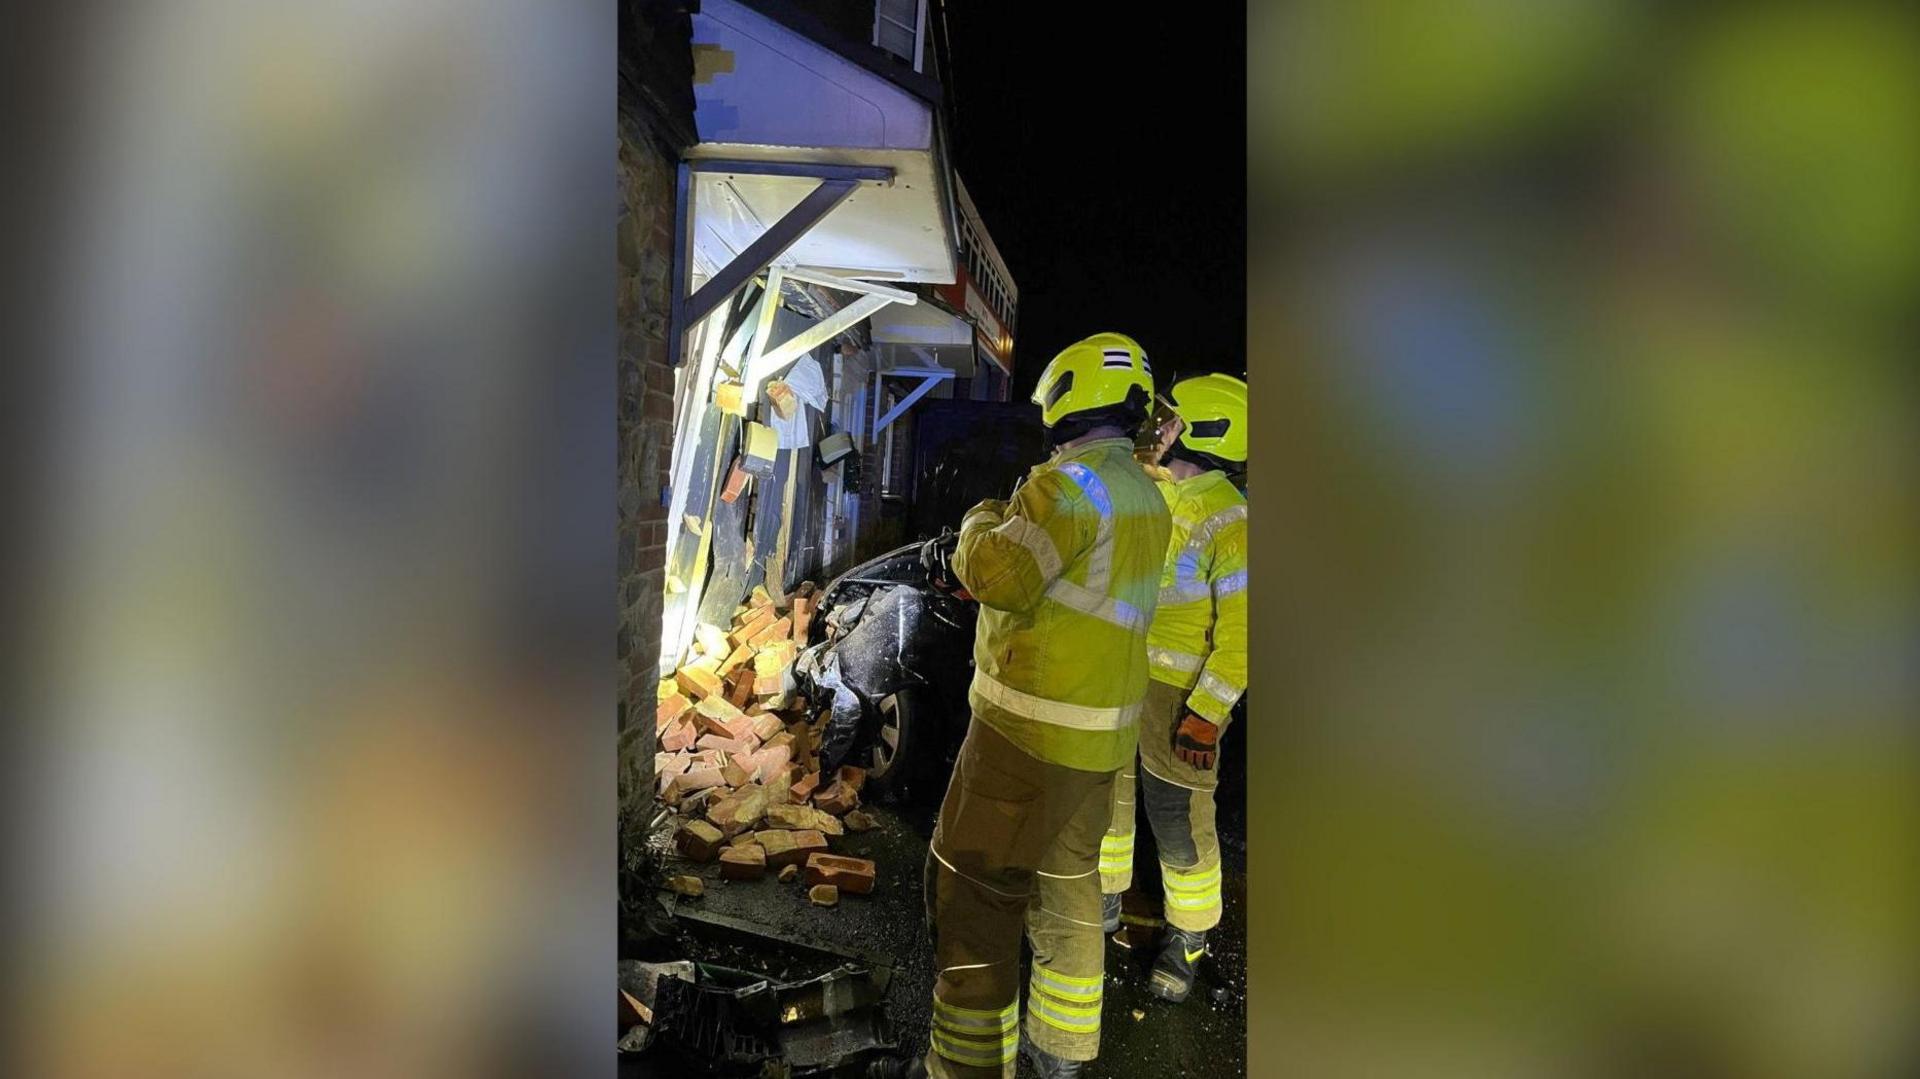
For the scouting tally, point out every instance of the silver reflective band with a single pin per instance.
(1100, 557)
(1173, 595)
(1203, 532)
(1088, 602)
(1217, 687)
(1070, 987)
(1036, 542)
(1231, 583)
(1175, 661)
(970, 1019)
(1058, 713)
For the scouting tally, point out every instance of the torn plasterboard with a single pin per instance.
(810, 387)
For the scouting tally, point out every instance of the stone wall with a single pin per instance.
(645, 253)
(655, 126)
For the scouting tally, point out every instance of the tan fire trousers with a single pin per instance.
(1179, 801)
(1017, 844)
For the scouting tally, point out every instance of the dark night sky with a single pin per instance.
(1107, 156)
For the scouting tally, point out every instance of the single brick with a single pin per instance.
(735, 775)
(804, 789)
(848, 874)
(670, 710)
(740, 729)
(837, 799)
(716, 715)
(778, 845)
(769, 764)
(755, 624)
(735, 660)
(677, 737)
(694, 779)
(853, 777)
(779, 629)
(699, 840)
(740, 688)
(805, 844)
(791, 817)
(743, 862)
(697, 682)
(741, 811)
(802, 619)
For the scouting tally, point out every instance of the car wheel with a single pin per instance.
(890, 761)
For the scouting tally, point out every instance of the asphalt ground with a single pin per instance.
(771, 928)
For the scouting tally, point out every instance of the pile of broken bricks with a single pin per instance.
(740, 758)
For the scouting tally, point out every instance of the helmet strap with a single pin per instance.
(1206, 462)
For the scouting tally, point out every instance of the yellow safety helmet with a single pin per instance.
(1107, 370)
(1213, 413)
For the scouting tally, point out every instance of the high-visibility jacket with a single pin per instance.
(1067, 575)
(1199, 637)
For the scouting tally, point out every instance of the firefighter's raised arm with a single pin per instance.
(1009, 552)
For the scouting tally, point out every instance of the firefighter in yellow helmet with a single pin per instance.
(1197, 658)
(1066, 573)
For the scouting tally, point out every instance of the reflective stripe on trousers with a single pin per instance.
(1116, 847)
(1191, 890)
(1067, 1002)
(1017, 848)
(976, 1037)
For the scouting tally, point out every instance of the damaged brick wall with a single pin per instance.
(655, 126)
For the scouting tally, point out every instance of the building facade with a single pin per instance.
(801, 269)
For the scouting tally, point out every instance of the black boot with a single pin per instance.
(895, 1068)
(1110, 913)
(1047, 1066)
(1173, 971)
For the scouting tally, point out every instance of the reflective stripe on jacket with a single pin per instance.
(1067, 577)
(1199, 636)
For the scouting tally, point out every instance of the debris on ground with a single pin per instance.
(639, 984)
(823, 895)
(717, 1020)
(687, 886)
(1138, 1015)
(788, 873)
(848, 874)
(740, 752)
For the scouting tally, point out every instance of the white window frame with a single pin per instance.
(918, 30)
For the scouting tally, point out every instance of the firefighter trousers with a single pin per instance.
(1017, 845)
(1179, 803)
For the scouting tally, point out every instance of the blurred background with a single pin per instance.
(1582, 343)
(315, 775)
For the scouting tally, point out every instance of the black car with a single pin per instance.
(891, 661)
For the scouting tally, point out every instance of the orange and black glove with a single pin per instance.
(1197, 742)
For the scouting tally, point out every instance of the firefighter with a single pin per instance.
(1066, 573)
(1197, 660)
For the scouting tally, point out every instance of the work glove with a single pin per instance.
(936, 557)
(1197, 742)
